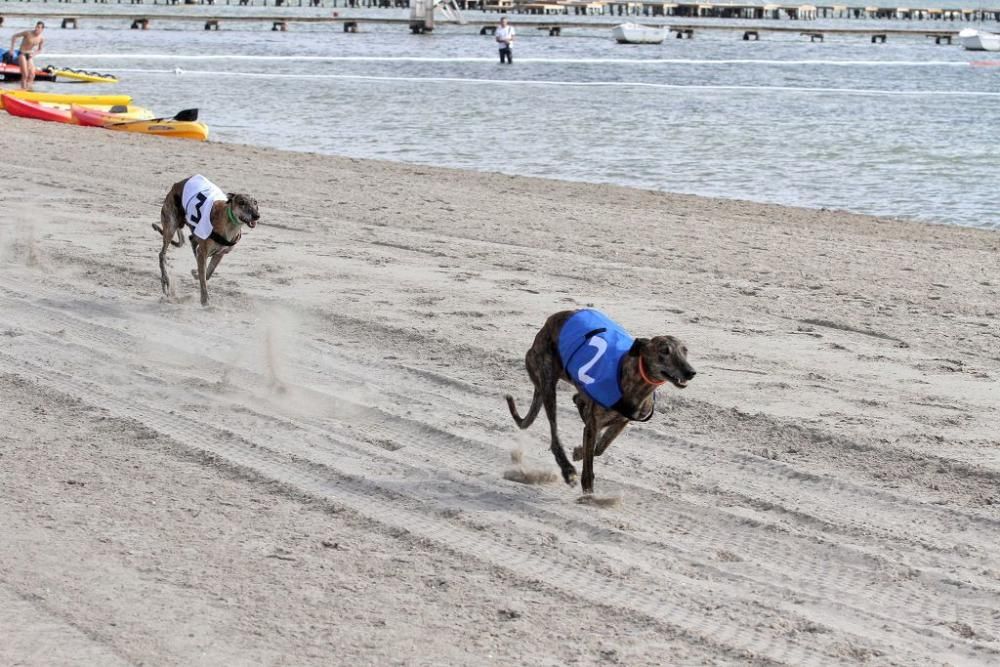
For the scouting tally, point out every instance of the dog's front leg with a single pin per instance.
(202, 256)
(216, 258)
(589, 445)
(609, 435)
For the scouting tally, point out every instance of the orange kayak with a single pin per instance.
(176, 128)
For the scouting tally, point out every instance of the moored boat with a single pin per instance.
(635, 33)
(979, 40)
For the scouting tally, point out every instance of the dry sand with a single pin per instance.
(312, 470)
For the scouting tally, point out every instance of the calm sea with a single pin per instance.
(905, 129)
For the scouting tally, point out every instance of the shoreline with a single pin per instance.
(312, 470)
(689, 105)
(596, 179)
(598, 184)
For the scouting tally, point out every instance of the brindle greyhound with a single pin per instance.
(650, 363)
(227, 217)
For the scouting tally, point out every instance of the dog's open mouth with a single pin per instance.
(680, 384)
(250, 223)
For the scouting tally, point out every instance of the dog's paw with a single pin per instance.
(570, 478)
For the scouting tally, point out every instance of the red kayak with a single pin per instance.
(91, 117)
(26, 109)
(13, 73)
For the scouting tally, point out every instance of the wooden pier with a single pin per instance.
(635, 8)
(557, 17)
(551, 25)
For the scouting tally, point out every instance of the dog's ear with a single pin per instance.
(230, 196)
(637, 346)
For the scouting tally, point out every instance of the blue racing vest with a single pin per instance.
(592, 346)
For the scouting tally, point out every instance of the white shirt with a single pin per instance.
(199, 195)
(504, 35)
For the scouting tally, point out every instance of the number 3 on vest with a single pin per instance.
(602, 346)
(196, 218)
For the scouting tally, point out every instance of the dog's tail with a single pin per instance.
(529, 419)
(177, 243)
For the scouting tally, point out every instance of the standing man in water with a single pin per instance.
(31, 45)
(504, 35)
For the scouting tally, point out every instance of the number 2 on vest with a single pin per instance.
(602, 347)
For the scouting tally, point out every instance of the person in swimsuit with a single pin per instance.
(31, 45)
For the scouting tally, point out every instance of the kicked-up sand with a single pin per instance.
(312, 470)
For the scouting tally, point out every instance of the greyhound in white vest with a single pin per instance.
(215, 220)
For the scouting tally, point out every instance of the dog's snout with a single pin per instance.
(689, 373)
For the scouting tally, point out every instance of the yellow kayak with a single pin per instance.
(84, 76)
(182, 126)
(176, 129)
(60, 98)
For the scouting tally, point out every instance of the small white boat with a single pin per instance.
(634, 33)
(979, 40)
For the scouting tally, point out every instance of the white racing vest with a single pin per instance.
(197, 200)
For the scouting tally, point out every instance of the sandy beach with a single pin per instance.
(312, 470)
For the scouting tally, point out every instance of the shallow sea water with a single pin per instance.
(905, 129)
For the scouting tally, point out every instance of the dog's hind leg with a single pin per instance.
(546, 377)
(549, 402)
(180, 236)
(164, 278)
(544, 369)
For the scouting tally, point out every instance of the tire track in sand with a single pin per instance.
(104, 338)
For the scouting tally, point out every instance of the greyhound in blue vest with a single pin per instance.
(615, 376)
